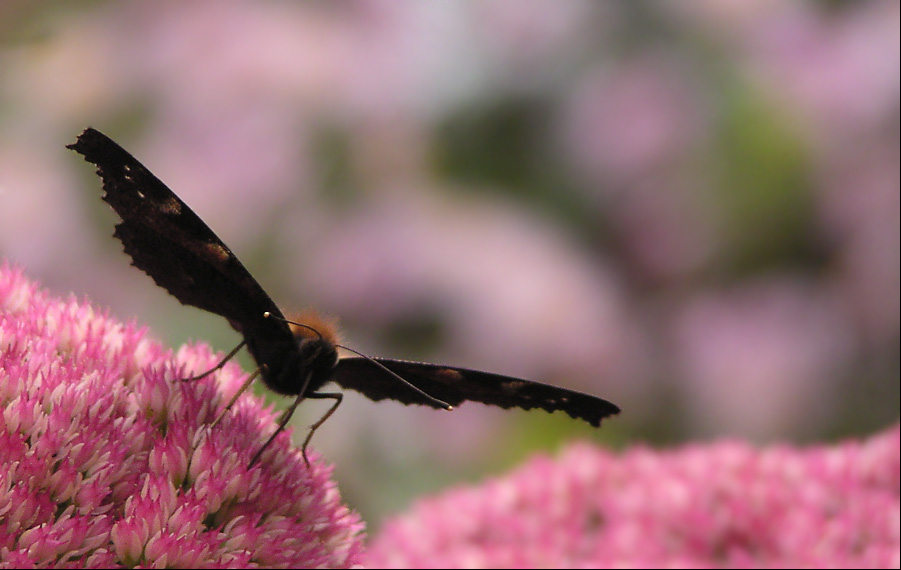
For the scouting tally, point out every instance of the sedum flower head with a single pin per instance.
(724, 504)
(109, 461)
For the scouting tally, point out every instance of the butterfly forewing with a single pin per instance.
(172, 245)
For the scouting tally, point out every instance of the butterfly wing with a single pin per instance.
(457, 385)
(167, 241)
(170, 243)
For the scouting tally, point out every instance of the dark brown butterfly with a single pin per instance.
(167, 240)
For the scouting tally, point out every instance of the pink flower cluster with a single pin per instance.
(109, 461)
(724, 505)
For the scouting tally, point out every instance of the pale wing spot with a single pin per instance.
(171, 206)
(214, 251)
(127, 175)
(450, 373)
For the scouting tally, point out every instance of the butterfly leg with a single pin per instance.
(286, 415)
(234, 399)
(228, 357)
(283, 421)
(320, 396)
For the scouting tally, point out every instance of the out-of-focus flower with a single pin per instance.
(109, 461)
(626, 122)
(630, 132)
(841, 73)
(861, 208)
(753, 356)
(724, 504)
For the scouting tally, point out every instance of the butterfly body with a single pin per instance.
(171, 244)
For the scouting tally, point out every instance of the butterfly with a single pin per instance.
(170, 243)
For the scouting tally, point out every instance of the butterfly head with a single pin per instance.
(317, 337)
(301, 364)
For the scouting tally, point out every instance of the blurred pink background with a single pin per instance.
(688, 208)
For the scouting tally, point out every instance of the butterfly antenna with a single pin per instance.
(222, 362)
(435, 401)
(268, 315)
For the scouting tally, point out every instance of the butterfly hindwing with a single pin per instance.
(457, 385)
